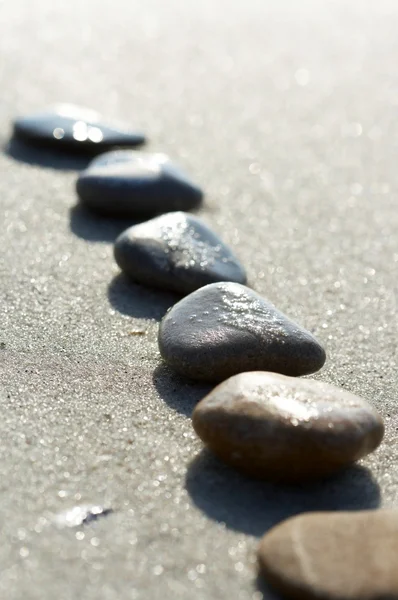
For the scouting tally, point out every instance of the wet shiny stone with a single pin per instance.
(69, 127)
(176, 251)
(136, 185)
(282, 428)
(225, 328)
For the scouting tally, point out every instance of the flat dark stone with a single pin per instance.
(72, 128)
(226, 328)
(178, 252)
(136, 184)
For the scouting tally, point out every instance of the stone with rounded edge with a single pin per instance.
(333, 556)
(176, 251)
(70, 127)
(136, 185)
(226, 328)
(282, 428)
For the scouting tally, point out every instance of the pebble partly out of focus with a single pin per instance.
(287, 429)
(333, 556)
(226, 328)
(70, 127)
(136, 185)
(176, 251)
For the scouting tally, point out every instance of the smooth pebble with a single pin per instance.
(333, 556)
(282, 428)
(178, 252)
(136, 185)
(70, 127)
(226, 328)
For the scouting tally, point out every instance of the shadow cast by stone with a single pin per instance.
(91, 227)
(44, 157)
(266, 590)
(180, 394)
(138, 301)
(254, 506)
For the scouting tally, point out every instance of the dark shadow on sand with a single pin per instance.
(179, 393)
(93, 228)
(32, 154)
(253, 506)
(267, 592)
(138, 301)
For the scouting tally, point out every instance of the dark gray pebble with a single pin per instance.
(178, 252)
(136, 185)
(225, 328)
(69, 127)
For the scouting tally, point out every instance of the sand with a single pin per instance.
(285, 112)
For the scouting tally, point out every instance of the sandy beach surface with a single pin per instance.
(286, 114)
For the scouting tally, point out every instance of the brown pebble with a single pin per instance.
(333, 556)
(282, 428)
